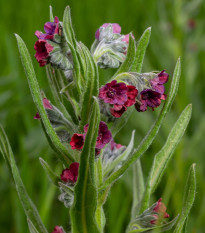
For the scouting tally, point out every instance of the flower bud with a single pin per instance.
(70, 175)
(58, 229)
(110, 47)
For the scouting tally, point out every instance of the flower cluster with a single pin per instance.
(145, 92)
(110, 47)
(152, 97)
(52, 48)
(119, 95)
(155, 215)
(104, 137)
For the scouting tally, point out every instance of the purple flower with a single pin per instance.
(70, 174)
(77, 141)
(126, 38)
(114, 93)
(149, 98)
(58, 229)
(157, 83)
(47, 105)
(51, 29)
(116, 29)
(43, 48)
(114, 145)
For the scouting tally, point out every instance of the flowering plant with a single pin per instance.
(81, 120)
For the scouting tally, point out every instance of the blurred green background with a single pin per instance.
(177, 30)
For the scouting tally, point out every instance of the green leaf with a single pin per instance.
(35, 91)
(51, 175)
(31, 227)
(29, 207)
(51, 14)
(85, 199)
(138, 188)
(152, 133)
(92, 86)
(189, 196)
(72, 43)
(140, 51)
(163, 157)
(131, 54)
(121, 157)
(164, 227)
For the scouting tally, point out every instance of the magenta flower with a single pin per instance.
(70, 174)
(126, 38)
(157, 83)
(77, 141)
(114, 93)
(116, 29)
(47, 105)
(58, 229)
(51, 29)
(43, 49)
(149, 98)
(104, 136)
(159, 212)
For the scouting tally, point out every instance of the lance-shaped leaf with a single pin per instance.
(152, 133)
(141, 49)
(35, 91)
(72, 43)
(111, 166)
(130, 58)
(85, 200)
(189, 196)
(51, 175)
(31, 227)
(92, 85)
(29, 207)
(163, 157)
(135, 66)
(138, 188)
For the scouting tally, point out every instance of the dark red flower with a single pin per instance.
(149, 98)
(77, 141)
(118, 110)
(58, 229)
(43, 48)
(132, 93)
(104, 135)
(157, 83)
(47, 105)
(116, 29)
(70, 174)
(114, 93)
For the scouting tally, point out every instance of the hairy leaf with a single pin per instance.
(29, 207)
(163, 157)
(35, 91)
(85, 200)
(189, 196)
